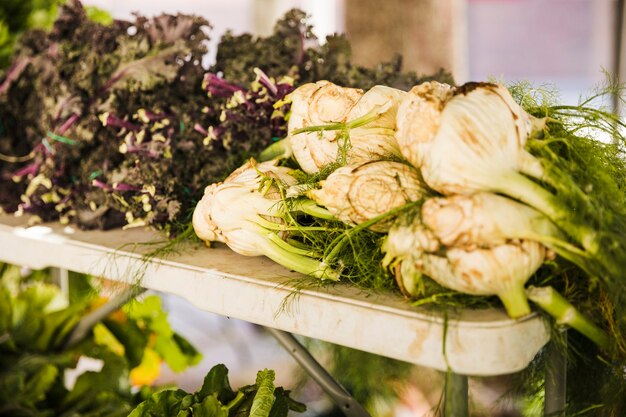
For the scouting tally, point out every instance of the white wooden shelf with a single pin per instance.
(478, 342)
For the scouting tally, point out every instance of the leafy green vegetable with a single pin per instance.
(293, 50)
(216, 382)
(163, 403)
(150, 317)
(35, 321)
(264, 397)
(217, 399)
(209, 407)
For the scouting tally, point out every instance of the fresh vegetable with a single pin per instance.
(333, 124)
(487, 130)
(217, 399)
(418, 119)
(245, 212)
(500, 270)
(484, 219)
(373, 137)
(469, 264)
(490, 131)
(357, 194)
(50, 108)
(318, 104)
(293, 50)
(83, 111)
(37, 368)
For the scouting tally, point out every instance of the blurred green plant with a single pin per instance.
(35, 364)
(217, 399)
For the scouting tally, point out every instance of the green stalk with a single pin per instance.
(235, 401)
(319, 128)
(515, 301)
(299, 263)
(519, 187)
(280, 149)
(280, 227)
(566, 314)
(289, 247)
(367, 118)
(337, 245)
(311, 208)
(588, 110)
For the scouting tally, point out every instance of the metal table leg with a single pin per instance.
(348, 405)
(456, 401)
(61, 277)
(556, 380)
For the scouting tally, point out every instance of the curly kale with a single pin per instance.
(63, 80)
(293, 50)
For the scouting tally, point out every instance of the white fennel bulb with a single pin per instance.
(501, 270)
(374, 117)
(316, 104)
(229, 212)
(479, 145)
(245, 213)
(418, 118)
(362, 193)
(484, 219)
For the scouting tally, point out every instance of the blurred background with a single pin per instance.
(569, 44)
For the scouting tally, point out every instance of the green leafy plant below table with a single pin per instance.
(129, 345)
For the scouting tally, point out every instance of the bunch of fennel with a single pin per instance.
(477, 188)
(245, 212)
(488, 211)
(504, 207)
(461, 185)
(329, 123)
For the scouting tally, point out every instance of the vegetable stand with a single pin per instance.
(478, 343)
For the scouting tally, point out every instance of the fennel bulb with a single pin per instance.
(245, 213)
(500, 270)
(374, 120)
(357, 194)
(316, 104)
(479, 144)
(484, 219)
(418, 118)
(329, 123)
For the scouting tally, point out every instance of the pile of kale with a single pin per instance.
(113, 125)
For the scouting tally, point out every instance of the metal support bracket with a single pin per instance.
(60, 277)
(348, 405)
(556, 380)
